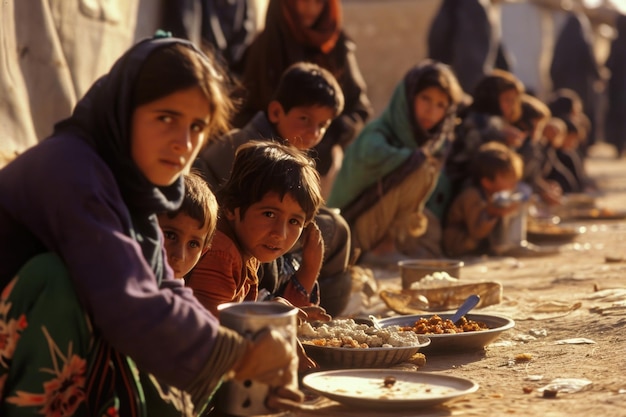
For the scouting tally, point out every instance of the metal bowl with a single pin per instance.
(376, 357)
(455, 342)
(415, 269)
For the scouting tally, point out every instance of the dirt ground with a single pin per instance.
(579, 293)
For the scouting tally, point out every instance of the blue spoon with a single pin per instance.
(469, 303)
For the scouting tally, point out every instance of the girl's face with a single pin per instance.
(269, 227)
(431, 105)
(184, 241)
(308, 11)
(167, 134)
(510, 105)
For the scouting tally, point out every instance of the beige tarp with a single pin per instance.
(51, 51)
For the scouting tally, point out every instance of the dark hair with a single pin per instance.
(563, 101)
(308, 84)
(199, 203)
(431, 73)
(493, 158)
(570, 125)
(532, 108)
(263, 167)
(487, 91)
(178, 67)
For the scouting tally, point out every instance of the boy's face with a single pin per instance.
(184, 241)
(302, 126)
(308, 11)
(270, 227)
(430, 107)
(503, 181)
(167, 134)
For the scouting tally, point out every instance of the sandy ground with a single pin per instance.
(578, 293)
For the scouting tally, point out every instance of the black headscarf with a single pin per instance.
(103, 118)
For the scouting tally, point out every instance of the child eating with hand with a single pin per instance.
(473, 214)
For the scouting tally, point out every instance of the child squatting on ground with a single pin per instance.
(473, 214)
(392, 167)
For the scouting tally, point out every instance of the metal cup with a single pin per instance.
(247, 398)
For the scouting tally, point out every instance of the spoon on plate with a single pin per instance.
(370, 320)
(469, 303)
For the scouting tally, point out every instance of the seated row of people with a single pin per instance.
(403, 173)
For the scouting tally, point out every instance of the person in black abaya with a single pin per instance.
(574, 66)
(615, 128)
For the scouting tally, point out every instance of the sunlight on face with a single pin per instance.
(431, 105)
(167, 134)
(184, 241)
(270, 227)
(302, 126)
(309, 10)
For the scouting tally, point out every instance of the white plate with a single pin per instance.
(364, 388)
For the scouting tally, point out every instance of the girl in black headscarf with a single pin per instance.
(88, 302)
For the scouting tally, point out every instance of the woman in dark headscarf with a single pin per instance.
(87, 296)
(467, 35)
(296, 32)
(496, 105)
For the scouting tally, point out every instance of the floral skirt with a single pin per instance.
(53, 363)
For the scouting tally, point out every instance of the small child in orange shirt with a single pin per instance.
(269, 200)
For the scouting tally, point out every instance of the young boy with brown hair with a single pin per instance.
(268, 202)
(304, 104)
(188, 231)
(474, 213)
(306, 101)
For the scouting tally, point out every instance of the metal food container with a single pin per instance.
(247, 398)
(414, 270)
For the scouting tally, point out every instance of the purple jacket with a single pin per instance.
(78, 194)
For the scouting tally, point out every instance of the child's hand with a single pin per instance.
(312, 245)
(514, 137)
(304, 362)
(553, 195)
(307, 313)
(495, 210)
(312, 256)
(315, 313)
